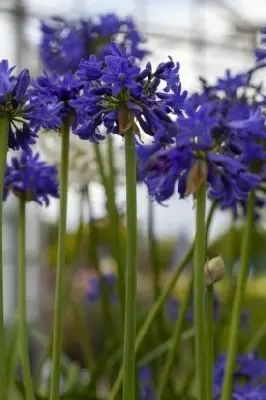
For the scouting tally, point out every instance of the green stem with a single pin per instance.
(257, 338)
(94, 258)
(115, 225)
(4, 126)
(240, 288)
(157, 306)
(131, 269)
(84, 335)
(199, 288)
(167, 368)
(210, 341)
(22, 303)
(108, 184)
(61, 261)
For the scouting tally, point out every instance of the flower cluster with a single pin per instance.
(118, 96)
(65, 43)
(220, 140)
(31, 179)
(251, 369)
(15, 106)
(52, 94)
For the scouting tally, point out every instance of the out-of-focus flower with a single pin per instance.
(64, 43)
(251, 368)
(146, 391)
(260, 52)
(83, 167)
(31, 179)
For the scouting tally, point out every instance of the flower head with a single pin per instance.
(251, 368)
(31, 179)
(16, 107)
(219, 140)
(64, 43)
(53, 94)
(118, 95)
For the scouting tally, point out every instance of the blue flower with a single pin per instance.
(93, 290)
(251, 368)
(15, 105)
(146, 391)
(53, 95)
(260, 52)
(64, 43)
(231, 83)
(117, 94)
(31, 179)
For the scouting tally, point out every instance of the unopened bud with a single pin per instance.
(214, 270)
(196, 177)
(125, 120)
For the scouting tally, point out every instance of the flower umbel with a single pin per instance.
(32, 179)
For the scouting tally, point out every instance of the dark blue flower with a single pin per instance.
(260, 52)
(118, 94)
(231, 83)
(146, 391)
(15, 106)
(250, 368)
(53, 95)
(31, 179)
(64, 43)
(93, 290)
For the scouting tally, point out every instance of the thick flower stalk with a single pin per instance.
(64, 43)
(30, 180)
(54, 94)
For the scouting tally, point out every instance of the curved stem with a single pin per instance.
(61, 260)
(131, 269)
(240, 288)
(210, 341)
(4, 126)
(199, 288)
(159, 304)
(22, 303)
(257, 338)
(167, 368)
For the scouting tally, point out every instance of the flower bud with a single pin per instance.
(197, 175)
(214, 270)
(125, 120)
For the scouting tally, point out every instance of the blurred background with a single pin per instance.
(206, 37)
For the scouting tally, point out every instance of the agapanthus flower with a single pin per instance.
(31, 179)
(146, 391)
(250, 368)
(219, 140)
(64, 43)
(119, 95)
(83, 167)
(260, 52)
(53, 94)
(95, 282)
(15, 105)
